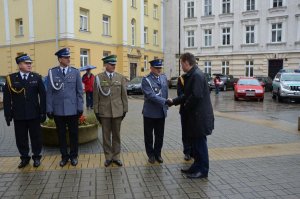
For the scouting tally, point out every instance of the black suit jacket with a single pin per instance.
(24, 105)
(195, 102)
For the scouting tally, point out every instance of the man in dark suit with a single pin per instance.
(65, 104)
(155, 89)
(198, 115)
(25, 103)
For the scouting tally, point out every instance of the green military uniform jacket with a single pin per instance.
(116, 103)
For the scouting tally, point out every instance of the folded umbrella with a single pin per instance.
(87, 67)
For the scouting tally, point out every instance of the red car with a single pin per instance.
(248, 88)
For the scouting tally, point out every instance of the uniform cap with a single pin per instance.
(64, 52)
(23, 58)
(157, 63)
(111, 59)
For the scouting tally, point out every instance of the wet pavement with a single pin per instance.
(254, 152)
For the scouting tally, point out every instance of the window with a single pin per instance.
(106, 53)
(225, 6)
(226, 36)
(155, 11)
(133, 3)
(250, 35)
(145, 7)
(190, 38)
(250, 5)
(207, 7)
(155, 37)
(133, 32)
(19, 27)
(145, 62)
(145, 35)
(207, 67)
(277, 3)
(84, 57)
(225, 67)
(277, 32)
(106, 25)
(190, 9)
(84, 19)
(249, 68)
(207, 37)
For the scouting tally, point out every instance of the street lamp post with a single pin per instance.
(179, 1)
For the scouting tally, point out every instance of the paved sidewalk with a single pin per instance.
(252, 156)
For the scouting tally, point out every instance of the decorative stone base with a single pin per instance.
(85, 134)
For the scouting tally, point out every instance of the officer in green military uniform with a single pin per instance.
(110, 107)
(24, 100)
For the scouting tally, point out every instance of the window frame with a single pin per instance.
(84, 20)
(84, 57)
(277, 30)
(225, 66)
(107, 25)
(249, 68)
(250, 33)
(207, 67)
(207, 7)
(155, 37)
(190, 38)
(226, 6)
(207, 38)
(226, 36)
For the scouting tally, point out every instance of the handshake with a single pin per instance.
(169, 102)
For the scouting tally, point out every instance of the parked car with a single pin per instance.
(226, 83)
(248, 88)
(286, 85)
(134, 86)
(173, 82)
(2, 83)
(266, 82)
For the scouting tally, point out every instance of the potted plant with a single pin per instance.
(87, 131)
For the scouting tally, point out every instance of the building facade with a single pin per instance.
(241, 37)
(131, 29)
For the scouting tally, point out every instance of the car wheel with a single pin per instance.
(236, 98)
(280, 99)
(262, 99)
(273, 95)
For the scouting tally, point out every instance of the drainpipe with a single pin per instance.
(57, 20)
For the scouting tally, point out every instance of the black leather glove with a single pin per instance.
(42, 118)
(124, 115)
(98, 117)
(50, 115)
(79, 113)
(8, 120)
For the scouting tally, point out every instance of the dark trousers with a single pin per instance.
(200, 152)
(187, 146)
(22, 127)
(62, 122)
(217, 87)
(89, 99)
(158, 126)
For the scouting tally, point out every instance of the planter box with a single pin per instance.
(85, 134)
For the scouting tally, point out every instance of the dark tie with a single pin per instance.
(110, 76)
(64, 72)
(24, 77)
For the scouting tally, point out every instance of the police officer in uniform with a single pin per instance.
(25, 103)
(110, 107)
(155, 89)
(65, 104)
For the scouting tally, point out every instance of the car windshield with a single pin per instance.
(248, 82)
(136, 80)
(290, 77)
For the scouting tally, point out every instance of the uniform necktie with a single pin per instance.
(110, 76)
(24, 76)
(64, 72)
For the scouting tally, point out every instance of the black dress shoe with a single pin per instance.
(23, 164)
(74, 161)
(186, 171)
(187, 157)
(107, 163)
(63, 162)
(36, 163)
(151, 160)
(196, 175)
(159, 159)
(118, 162)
